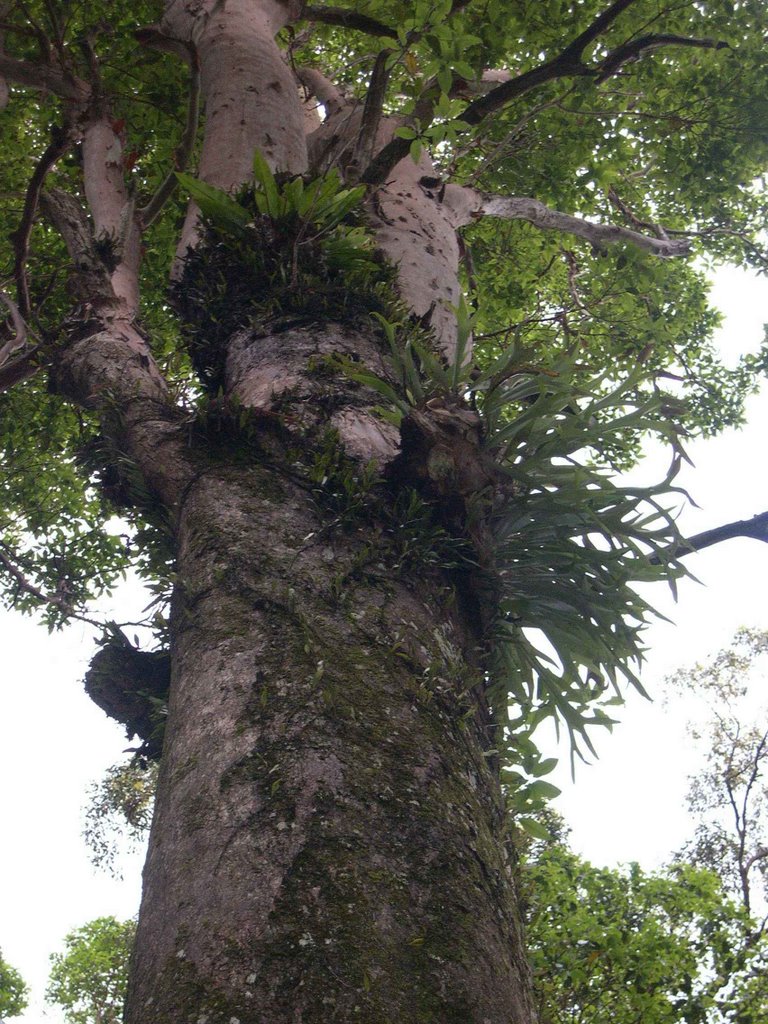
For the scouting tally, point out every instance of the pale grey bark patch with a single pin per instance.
(250, 95)
(414, 229)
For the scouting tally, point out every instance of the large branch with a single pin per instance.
(569, 63)
(345, 18)
(41, 76)
(469, 205)
(756, 528)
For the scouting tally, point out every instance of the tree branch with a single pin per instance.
(61, 138)
(756, 528)
(91, 278)
(637, 48)
(542, 216)
(374, 104)
(40, 76)
(568, 63)
(60, 601)
(18, 341)
(183, 152)
(575, 50)
(321, 88)
(17, 370)
(345, 18)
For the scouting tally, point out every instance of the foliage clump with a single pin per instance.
(619, 945)
(287, 250)
(13, 991)
(119, 811)
(88, 980)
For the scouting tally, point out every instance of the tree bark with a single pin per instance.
(329, 836)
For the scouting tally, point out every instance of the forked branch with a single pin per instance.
(569, 63)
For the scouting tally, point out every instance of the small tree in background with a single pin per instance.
(89, 979)
(729, 798)
(620, 945)
(686, 945)
(13, 991)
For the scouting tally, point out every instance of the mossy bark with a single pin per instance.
(329, 837)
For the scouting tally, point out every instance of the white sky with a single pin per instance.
(629, 806)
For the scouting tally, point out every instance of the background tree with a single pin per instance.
(688, 943)
(622, 944)
(364, 499)
(89, 978)
(729, 797)
(13, 991)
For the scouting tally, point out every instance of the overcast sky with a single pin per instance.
(629, 806)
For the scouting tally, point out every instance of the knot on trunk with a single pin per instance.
(132, 686)
(441, 453)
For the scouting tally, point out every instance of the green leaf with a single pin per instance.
(533, 827)
(215, 204)
(264, 177)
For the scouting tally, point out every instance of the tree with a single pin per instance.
(13, 991)
(729, 797)
(622, 945)
(88, 980)
(364, 498)
(689, 943)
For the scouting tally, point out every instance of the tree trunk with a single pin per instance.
(329, 836)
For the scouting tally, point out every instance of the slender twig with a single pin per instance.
(60, 601)
(183, 152)
(374, 104)
(61, 138)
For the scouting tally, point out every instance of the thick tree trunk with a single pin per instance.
(329, 838)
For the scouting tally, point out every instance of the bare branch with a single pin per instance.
(60, 140)
(91, 278)
(541, 216)
(637, 48)
(345, 18)
(183, 151)
(756, 528)
(374, 103)
(41, 76)
(321, 88)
